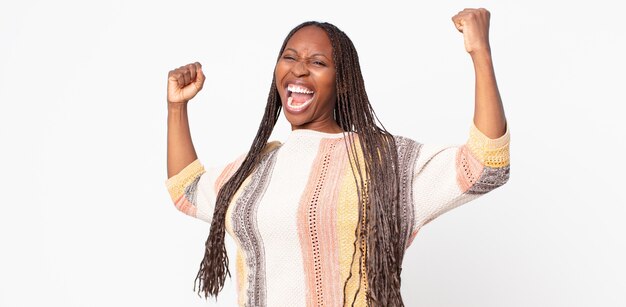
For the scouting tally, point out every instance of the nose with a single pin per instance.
(300, 69)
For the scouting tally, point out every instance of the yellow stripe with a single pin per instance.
(242, 282)
(270, 146)
(347, 219)
(176, 184)
(490, 152)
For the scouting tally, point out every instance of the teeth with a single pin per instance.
(299, 89)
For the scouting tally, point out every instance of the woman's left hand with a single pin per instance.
(474, 24)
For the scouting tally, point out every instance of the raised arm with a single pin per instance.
(488, 110)
(445, 177)
(183, 84)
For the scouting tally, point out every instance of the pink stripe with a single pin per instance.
(468, 169)
(228, 172)
(185, 206)
(317, 225)
(412, 236)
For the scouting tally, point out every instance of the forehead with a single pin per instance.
(311, 39)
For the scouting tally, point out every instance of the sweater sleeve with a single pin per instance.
(193, 190)
(447, 177)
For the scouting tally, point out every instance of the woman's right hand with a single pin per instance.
(184, 83)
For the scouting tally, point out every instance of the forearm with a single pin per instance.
(489, 115)
(180, 149)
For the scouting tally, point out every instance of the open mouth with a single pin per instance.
(299, 97)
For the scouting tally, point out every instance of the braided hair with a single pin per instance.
(378, 232)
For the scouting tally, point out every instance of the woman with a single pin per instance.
(324, 218)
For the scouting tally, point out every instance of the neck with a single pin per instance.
(326, 126)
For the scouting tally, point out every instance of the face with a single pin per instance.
(305, 78)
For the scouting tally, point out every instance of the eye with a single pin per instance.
(289, 57)
(318, 63)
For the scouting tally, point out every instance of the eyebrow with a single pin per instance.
(313, 55)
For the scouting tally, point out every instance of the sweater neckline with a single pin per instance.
(317, 134)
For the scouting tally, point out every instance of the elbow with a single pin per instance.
(502, 176)
(491, 179)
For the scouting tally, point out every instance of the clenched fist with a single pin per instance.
(184, 83)
(474, 24)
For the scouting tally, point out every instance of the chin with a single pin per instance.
(296, 120)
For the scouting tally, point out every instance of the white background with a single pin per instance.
(85, 219)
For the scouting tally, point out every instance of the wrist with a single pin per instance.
(176, 106)
(482, 54)
(482, 59)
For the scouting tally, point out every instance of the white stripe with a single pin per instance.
(278, 222)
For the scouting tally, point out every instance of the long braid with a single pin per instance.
(214, 265)
(376, 179)
(385, 246)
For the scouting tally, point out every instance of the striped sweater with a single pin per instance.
(294, 218)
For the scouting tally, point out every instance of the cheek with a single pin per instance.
(279, 73)
(281, 70)
(330, 85)
(326, 81)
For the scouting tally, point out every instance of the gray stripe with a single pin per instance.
(191, 191)
(408, 151)
(245, 226)
(490, 179)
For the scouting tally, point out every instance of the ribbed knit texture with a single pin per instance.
(294, 218)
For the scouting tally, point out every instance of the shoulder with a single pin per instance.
(270, 147)
(405, 145)
(404, 141)
(407, 149)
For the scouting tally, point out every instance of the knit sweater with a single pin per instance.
(294, 218)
